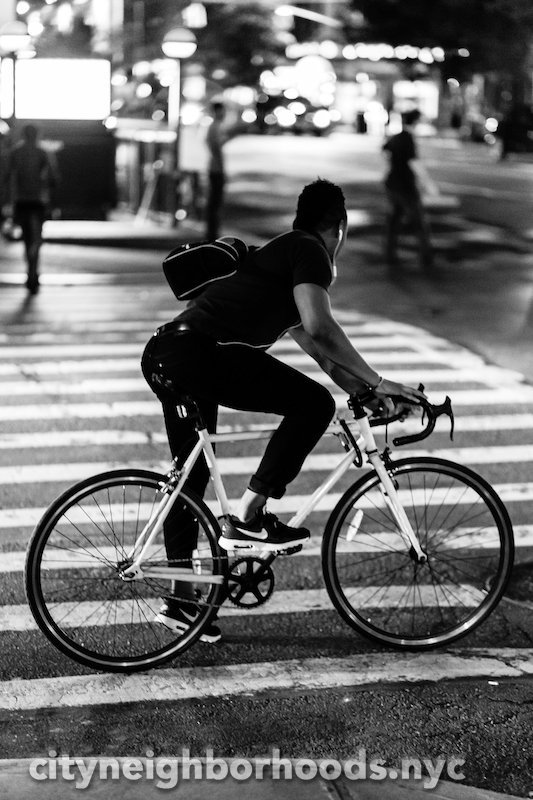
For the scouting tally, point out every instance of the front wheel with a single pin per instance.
(76, 572)
(375, 581)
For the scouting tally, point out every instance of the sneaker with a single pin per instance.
(178, 616)
(33, 285)
(264, 531)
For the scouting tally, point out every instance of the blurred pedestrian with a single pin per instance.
(217, 136)
(515, 129)
(31, 176)
(406, 183)
(193, 167)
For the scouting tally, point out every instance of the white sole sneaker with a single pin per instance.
(257, 544)
(180, 627)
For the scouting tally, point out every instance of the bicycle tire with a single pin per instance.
(462, 524)
(72, 579)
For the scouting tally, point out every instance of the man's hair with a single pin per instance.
(217, 105)
(321, 206)
(410, 117)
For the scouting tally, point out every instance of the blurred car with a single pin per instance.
(277, 114)
(481, 128)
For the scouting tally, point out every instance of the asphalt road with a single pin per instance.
(72, 397)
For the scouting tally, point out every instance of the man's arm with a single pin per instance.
(337, 374)
(323, 338)
(424, 179)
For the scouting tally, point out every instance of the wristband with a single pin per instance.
(378, 384)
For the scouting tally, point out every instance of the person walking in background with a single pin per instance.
(30, 178)
(217, 136)
(406, 182)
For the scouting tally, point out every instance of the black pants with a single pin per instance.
(407, 204)
(30, 216)
(243, 378)
(215, 198)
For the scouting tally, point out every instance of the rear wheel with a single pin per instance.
(75, 572)
(377, 584)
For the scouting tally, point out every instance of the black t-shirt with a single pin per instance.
(402, 150)
(256, 305)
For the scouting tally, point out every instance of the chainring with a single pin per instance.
(250, 582)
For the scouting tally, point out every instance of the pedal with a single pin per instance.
(290, 551)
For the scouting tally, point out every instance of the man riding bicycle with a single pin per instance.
(216, 352)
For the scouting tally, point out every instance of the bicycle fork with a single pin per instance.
(390, 493)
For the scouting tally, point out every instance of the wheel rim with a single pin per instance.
(80, 598)
(376, 583)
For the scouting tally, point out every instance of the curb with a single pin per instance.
(121, 233)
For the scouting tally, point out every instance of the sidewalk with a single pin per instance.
(122, 231)
(16, 784)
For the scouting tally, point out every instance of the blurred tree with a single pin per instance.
(238, 43)
(497, 33)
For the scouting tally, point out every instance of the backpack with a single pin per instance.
(191, 267)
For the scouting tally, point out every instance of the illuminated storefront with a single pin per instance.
(68, 100)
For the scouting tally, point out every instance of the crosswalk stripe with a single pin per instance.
(113, 347)
(390, 360)
(291, 601)
(43, 413)
(98, 323)
(101, 385)
(127, 408)
(244, 465)
(14, 561)
(91, 438)
(112, 437)
(241, 679)
(508, 492)
(77, 351)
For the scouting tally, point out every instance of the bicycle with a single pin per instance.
(416, 553)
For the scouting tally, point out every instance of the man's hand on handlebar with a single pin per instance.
(398, 398)
(404, 401)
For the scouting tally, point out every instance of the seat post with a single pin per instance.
(187, 408)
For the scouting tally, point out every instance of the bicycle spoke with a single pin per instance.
(411, 603)
(78, 590)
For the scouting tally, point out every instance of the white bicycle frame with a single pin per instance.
(365, 442)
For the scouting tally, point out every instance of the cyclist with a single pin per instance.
(216, 352)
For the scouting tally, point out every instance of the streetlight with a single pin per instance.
(179, 44)
(14, 37)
